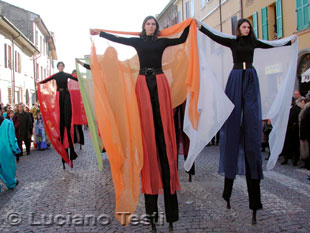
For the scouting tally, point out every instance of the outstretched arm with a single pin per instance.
(221, 40)
(83, 64)
(179, 40)
(263, 45)
(48, 79)
(117, 39)
(72, 77)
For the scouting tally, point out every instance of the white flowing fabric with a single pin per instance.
(276, 68)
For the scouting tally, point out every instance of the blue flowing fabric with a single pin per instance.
(8, 145)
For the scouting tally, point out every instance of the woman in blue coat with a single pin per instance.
(8, 147)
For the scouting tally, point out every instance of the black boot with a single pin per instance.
(64, 164)
(228, 184)
(189, 177)
(170, 226)
(73, 155)
(254, 217)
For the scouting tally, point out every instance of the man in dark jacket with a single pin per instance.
(23, 127)
(291, 144)
(305, 128)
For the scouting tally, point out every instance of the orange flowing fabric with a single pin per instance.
(118, 96)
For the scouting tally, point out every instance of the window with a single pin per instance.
(5, 56)
(44, 49)
(37, 72)
(10, 95)
(9, 57)
(264, 24)
(187, 9)
(36, 39)
(302, 11)
(15, 62)
(255, 24)
(233, 24)
(40, 44)
(203, 3)
(192, 8)
(179, 17)
(41, 73)
(279, 18)
(19, 60)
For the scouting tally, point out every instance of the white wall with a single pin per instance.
(23, 80)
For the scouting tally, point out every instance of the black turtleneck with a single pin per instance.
(61, 79)
(242, 47)
(150, 51)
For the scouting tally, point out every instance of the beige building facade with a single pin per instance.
(275, 19)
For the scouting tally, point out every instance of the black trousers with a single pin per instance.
(78, 134)
(65, 112)
(20, 145)
(171, 200)
(253, 190)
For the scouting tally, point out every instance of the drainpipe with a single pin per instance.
(220, 5)
(182, 10)
(241, 9)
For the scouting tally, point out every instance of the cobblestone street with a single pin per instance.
(45, 189)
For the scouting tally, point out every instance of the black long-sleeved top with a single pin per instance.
(150, 51)
(87, 66)
(61, 79)
(242, 47)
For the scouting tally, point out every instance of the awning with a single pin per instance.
(305, 77)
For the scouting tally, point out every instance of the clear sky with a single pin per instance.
(71, 20)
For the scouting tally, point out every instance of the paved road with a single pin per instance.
(50, 199)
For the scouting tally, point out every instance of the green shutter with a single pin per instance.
(302, 13)
(279, 18)
(306, 13)
(265, 23)
(255, 26)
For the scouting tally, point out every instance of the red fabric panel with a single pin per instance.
(151, 171)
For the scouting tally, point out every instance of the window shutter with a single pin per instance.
(255, 24)
(306, 13)
(192, 8)
(302, 13)
(279, 18)
(265, 23)
(5, 56)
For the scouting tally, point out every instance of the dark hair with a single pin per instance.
(143, 32)
(251, 33)
(60, 63)
(73, 71)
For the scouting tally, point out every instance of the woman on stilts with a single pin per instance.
(159, 144)
(241, 134)
(65, 109)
